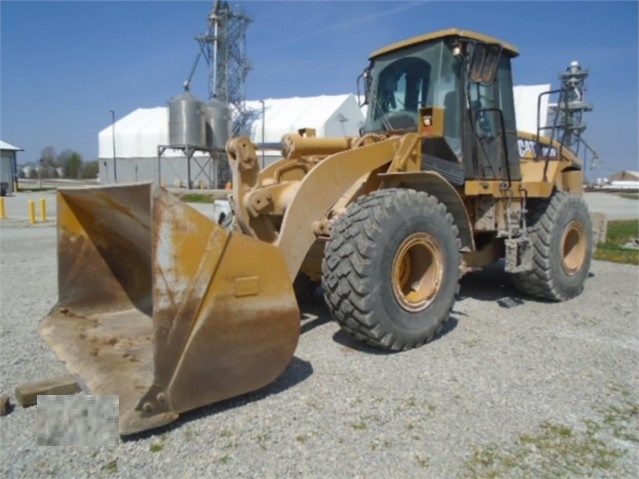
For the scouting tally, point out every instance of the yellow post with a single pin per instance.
(32, 216)
(43, 209)
(201, 184)
(162, 184)
(3, 212)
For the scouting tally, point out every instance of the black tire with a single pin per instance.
(391, 268)
(561, 235)
(305, 289)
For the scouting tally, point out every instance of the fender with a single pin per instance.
(435, 184)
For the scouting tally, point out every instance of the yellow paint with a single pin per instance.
(566, 154)
(491, 187)
(43, 209)
(451, 32)
(538, 189)
(32, 213)
(68, 222)
(3, 212)
(533, 171)
(246, 286)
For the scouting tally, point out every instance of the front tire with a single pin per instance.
(561, 235)
(391, 268)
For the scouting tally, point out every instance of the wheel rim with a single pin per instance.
(417, 271)
(573, 248)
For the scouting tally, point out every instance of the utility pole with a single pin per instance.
(263, 128)
(115, 169)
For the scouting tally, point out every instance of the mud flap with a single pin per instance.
(163, 307)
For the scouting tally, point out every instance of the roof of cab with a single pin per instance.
(451, 32)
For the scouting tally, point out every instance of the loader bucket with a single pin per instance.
(164, 308)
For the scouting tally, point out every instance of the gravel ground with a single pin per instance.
(512, 387)
(615, 207)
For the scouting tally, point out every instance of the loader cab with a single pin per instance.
(466, 78)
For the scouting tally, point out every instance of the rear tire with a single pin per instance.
(561, 235)
(391, 268)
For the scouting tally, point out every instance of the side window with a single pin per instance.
(506, 101)
(448, 96)
(483, 96)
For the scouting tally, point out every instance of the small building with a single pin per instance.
(8, 168)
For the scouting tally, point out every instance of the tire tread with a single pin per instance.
(543, 216)
(345, 274)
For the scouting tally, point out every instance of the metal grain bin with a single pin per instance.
(218, 124)
(187, 124)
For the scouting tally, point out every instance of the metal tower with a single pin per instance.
(565, 118)
(568, 114)
(224, 48)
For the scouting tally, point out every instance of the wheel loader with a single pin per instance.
(170, 311)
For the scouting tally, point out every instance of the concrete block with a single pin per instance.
(27, 394)
(5, 405)
(599, 227)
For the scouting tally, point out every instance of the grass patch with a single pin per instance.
(471, 343)
(35, 189)
(422, 461)
(629, 196)
(621, 417)
(111, 467)
(556, 451)
(620, 232)
(189, 434)
(157, 447)
(360, 426)
(263, 440)
(592, 449)
(197, 198)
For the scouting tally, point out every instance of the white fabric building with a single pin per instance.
(138, 134)
(526, 97)
(331, 116)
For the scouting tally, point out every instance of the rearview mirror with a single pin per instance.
(367, 78)
(484, 62)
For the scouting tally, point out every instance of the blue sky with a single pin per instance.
(64, 65)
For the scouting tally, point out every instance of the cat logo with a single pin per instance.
(527, 149)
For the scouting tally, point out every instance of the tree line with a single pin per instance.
(66, 164)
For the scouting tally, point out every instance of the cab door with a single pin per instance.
(492, 132)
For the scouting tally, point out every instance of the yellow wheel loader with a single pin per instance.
(171, 311)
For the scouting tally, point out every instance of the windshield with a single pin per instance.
(406, 80)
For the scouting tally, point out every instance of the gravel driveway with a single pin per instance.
(513, 387)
